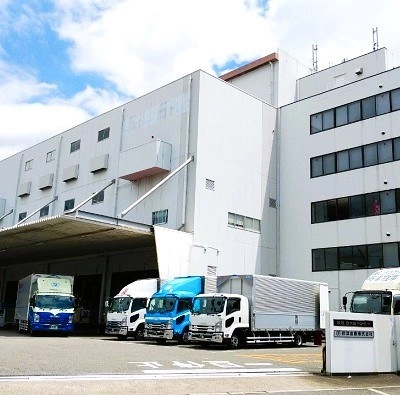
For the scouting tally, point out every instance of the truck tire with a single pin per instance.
(235, 341)
(139, 334)
(184, 338)
(298, 339)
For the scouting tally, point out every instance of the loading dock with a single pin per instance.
(100, 252)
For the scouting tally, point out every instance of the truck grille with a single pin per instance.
(114, 324)
(203, 328)
(156, 326)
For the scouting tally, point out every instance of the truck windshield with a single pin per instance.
(371, 302)
(119, 305)
(54, 302)
(208, 305)
(161, 304)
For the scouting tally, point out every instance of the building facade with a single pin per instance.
(265, 170)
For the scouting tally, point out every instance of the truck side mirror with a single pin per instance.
(344, 302)
(106, 304)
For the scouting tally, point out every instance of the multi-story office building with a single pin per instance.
(258, 171)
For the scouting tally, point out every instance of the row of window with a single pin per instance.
(75, 146)
(354, 158)
(355, 111)
(243, 222)
(68, 205)
(357, 206)
(369, 256)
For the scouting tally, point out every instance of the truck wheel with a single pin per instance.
(184, 338)
(298, 340)
(139, 334)
(234, 341)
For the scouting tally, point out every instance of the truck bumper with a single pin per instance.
(113, 330)
(167, 334)
(67, 328)
(205, 337)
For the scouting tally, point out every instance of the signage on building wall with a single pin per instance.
(360, 323)
(352, 334)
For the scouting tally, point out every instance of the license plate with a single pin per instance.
(53, 326)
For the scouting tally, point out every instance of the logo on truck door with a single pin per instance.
(55, 284)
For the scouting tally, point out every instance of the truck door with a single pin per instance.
(232, 311)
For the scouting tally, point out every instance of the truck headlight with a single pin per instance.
(123, 321)
(36, 317)
(168, 325)
(218, 326)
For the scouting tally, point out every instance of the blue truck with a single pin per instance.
(45, 303)
(168, 313)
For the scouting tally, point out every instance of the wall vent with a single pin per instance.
(210, 184)
(272, 203)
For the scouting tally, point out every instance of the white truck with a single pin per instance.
(379, 294)
(125, 314)
(45, 303)
(260, 309)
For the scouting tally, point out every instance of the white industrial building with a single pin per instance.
(265, 170)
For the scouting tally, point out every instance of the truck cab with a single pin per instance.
(168, 313)
(126, 310)
(379, 294)
(219, 318)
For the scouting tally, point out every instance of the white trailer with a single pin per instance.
(45, 302)
(125, 312)
(260, 309)
(379, 294)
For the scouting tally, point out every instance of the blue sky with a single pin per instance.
(65, 61)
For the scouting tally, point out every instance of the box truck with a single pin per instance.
(379, 294)
(168, 314)
(45, 302)
(125, 312)
(252, 309)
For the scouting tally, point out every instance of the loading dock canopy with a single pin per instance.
(71, 235)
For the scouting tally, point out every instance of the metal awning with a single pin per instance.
(71, 235)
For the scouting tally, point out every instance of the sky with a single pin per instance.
(63, 62)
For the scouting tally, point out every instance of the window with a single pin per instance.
(395, 99)
(316, 166)
(385, 151)
(75, 145)
(21, 216)
(103, 134)
(328, 119)
(396, 148)
(69, 204)
(372, 204)
(50, 156)
(159, 217)
(356, 257)
(319, 212)
(316, 123)
(342, 161)
(343, 208)
(341, 116)
(28, 165)
(99, 198)
(383, 103)
(329, 164)
(357, 206)
(243, 222)
(44, 211)
(388, 202)
(368, 107)
(354, 110)
(356, 158)
(370, 154)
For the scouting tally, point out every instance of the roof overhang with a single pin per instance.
(273, 57)
(71, 235)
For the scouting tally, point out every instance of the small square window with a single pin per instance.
(28, 165)
(69, 204)
(75, 145)
(98, 198)
(103, 134)
(159, 217)
(51, 156)
(44, 211)
(21, 216)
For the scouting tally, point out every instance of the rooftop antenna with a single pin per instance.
(314, 58)
(375, 38)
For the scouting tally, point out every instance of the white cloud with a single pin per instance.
(137, 46)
